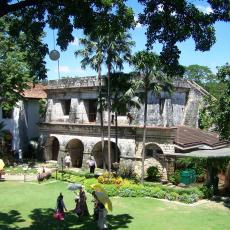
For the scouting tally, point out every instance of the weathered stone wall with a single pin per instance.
(194, 103)
(180, 107)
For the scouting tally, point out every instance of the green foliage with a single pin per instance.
(170, 29)
(109, 178)
(129, 189)
(205, 120)
(208, 191)
(198, 164)
(199, 74)
(42, 108)
(126, 170)
(175, 177)
(220, 108)
(153, 173)
(150, 78)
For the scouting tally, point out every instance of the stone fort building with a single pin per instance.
(72, 125)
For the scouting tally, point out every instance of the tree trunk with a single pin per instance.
(227, 179)
(116, 137)
(144, 137)
(109, 119)
(101, 118)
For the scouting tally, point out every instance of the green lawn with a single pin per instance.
(30, 206)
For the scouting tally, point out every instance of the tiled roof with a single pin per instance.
(35, 91)
(187, 137)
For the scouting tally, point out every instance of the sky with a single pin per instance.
(70, 66)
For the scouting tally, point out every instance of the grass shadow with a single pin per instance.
(10, 220)
(43, 219)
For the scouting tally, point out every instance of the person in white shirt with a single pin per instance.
(67, 161)
(92, 164)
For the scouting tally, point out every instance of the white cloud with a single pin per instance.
(138, 25)
(64, 69)
(205, 9)
(75, 42)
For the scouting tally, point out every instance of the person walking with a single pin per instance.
(60, 208)
(67, 160)
(82, 204)
(92, 164)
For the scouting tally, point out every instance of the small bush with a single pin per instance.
(153, 173)
(109, 178)
(208, 191)
(172, 196)
(126, 170)
(175, 177)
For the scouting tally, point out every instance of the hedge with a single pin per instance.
(129, 189)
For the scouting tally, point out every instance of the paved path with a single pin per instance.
(9, 177)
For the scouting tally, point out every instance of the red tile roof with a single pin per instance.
(191, 137)
(35, 91)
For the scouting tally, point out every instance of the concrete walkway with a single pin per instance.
(19, 177)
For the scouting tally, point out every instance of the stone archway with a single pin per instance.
(154, 157)
(52, 147)
(75, 148)
(98, 155)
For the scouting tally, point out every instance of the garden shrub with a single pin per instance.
(175, 177)
(153, 173)
(109, 178)
(172, 196)
(208, 191)
(161, 194)
(111, 189)
(188, 199)
(130, 189)
(126, 170)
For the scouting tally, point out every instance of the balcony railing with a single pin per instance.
(78, 118)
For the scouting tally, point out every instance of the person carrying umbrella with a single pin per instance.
(102, 205)
(1, 168)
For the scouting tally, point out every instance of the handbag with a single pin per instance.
(58, 215)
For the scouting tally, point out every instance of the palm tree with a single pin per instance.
(123, 98)
(92, 56)
(117, 49)
(111, 49)
(148, 66)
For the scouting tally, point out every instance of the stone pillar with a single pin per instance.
(61, 155)
(73, 116)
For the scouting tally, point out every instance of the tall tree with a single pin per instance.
(170, 22)
(114, 45)
(31, 17)
(199, 74)
(15, 70)
(151, 79)
(92, 56)
(123, 97)
(220, 108)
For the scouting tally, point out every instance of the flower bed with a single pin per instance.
(127, 188)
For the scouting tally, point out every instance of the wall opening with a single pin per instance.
(52, 148)
(75, 148)
(99, 156)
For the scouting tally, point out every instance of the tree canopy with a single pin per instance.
(19, 63)
(172, 21)
(23, 24)
(220, 109)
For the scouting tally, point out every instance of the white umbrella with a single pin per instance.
(73, 187)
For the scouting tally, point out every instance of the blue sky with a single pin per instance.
(218, 55)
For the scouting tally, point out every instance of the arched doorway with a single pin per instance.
(98, 155)
(75, 148)
(52, 148)
(154, 157)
